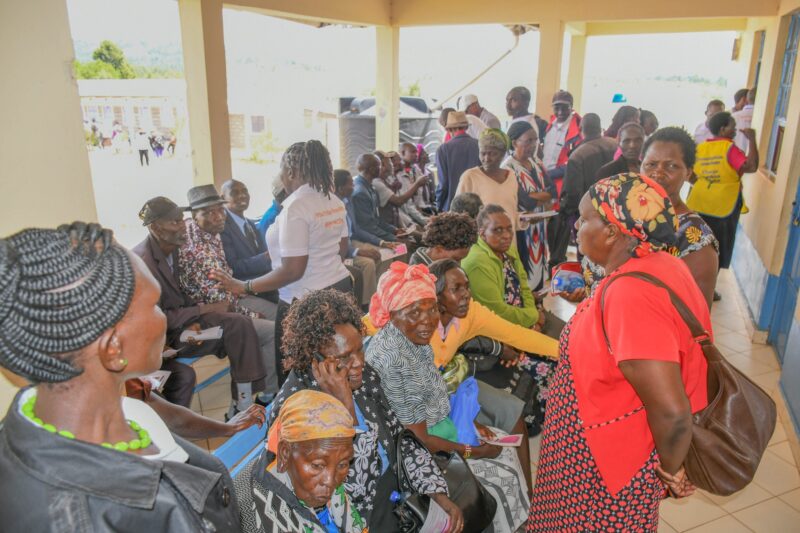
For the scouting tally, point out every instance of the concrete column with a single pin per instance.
(206, 89)
(551, 47)
(577, 57)
(45, 179)
(387, 88)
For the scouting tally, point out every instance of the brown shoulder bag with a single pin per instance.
(730, 435)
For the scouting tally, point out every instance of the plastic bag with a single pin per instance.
(464, 407)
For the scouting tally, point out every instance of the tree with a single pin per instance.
(95, 70)
(110, 53)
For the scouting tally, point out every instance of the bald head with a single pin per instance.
(369, 166)
(236, 196)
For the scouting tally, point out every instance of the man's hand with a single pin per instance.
(197, 328)
(218, 307)
(255, 414)
(369, 253)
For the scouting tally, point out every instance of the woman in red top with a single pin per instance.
(619, 418)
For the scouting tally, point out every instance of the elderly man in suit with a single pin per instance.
(245, 247)
(250, 369)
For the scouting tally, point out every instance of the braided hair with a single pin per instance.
(59, 291)
(312, 160)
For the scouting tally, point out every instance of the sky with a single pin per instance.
(284, 67)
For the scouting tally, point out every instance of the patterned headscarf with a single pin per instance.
(399, 287)
(310, 415)
(494, 138)
(640, 208)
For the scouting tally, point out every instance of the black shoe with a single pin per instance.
(717, 296)
(232, 411)
(264, 399)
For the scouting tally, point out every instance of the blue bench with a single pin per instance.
(243, 447)
(211, 379)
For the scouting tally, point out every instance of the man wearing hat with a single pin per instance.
(454, 157)
(250, 367)
(471, 106)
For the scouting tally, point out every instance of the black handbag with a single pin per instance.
(475, 502)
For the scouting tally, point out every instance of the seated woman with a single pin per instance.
(322, 340)
(498, 281)
(78, 317)
(447, 236)
(462, 319)
(619, 422)
(406, 309)
(296, 483)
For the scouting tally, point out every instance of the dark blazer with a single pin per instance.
(356, 233)
(582, 168)
(247, 262)
(179, 308)
(365, 208)
(453, 158)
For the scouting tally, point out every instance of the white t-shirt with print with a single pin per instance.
(313, 225)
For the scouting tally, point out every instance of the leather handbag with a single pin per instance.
(475, 502)
(729, 436)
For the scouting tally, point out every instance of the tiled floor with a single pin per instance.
(771, 504)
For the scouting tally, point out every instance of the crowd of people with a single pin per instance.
(386, 321)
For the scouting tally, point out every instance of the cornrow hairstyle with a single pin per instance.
(439, 269)
(310, 325)
(451, 231)
(59, 291)
(679, 136)
(312, 160)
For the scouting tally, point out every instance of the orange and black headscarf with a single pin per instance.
(640, 208)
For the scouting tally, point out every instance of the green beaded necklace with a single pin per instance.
(135, 444)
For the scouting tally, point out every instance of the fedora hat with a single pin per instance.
(456, 119)
(203, 196)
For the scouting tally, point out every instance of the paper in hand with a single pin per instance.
(388, 253)
(437, 520)
(508, 441)
(157, 379)
(208, 334)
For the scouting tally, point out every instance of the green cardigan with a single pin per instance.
(485, 272)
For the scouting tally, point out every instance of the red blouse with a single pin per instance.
(641, 323)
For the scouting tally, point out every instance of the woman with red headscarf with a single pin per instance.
(619, 418)
(405, 307)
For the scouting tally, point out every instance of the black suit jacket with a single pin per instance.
(247, 261)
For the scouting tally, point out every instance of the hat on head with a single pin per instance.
(563, 97)
(456, 119)
(467, 100)
(159, 208)
(203, 196)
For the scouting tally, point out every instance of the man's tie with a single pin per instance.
(250, 233)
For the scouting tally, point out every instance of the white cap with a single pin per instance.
(467, 100)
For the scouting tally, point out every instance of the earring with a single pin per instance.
(123, 361)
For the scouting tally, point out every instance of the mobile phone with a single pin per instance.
(319, 357)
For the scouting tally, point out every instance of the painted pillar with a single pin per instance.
(387, 88)
(45, 179)
(577, 58)
(551, 48)
(206, 89)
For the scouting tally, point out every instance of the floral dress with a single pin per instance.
(532, 242)
(540, 368)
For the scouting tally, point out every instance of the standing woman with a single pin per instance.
(535, 194)
(717, 193)
(619, 419)
(78, 317)
(494, 185)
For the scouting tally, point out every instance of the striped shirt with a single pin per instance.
(414, 387)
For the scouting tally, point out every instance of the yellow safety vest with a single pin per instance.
(718, 184)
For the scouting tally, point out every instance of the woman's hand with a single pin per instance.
(227, 282)
(484, 432)
(677, 484)
(486, 451)
(576, 296)
(255, 414)
(333, 380)
(456, 524)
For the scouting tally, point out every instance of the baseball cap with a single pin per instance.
(563, 97)
(467, 100)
